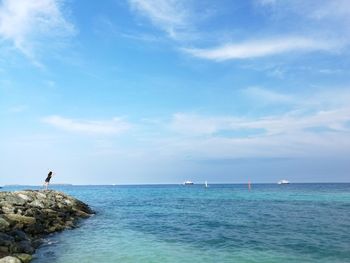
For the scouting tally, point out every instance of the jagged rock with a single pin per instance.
(26, 216)
(37, 203)
(24, 246)
(4, 225)
(25, 258)
(15, 200)
(6, 240)
(24, 196)
(24, 220)
(18, 235)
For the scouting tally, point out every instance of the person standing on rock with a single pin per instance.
(47, 180)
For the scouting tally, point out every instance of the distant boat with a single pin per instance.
(206, 184)
(188, 183)
(283, 182)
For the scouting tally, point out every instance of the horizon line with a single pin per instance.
(140, 184)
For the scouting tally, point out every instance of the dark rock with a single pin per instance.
(37, 242)
(4, 250)
(23, 247)
(6, 240)
(18, 235)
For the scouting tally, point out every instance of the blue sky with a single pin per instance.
(162, 91)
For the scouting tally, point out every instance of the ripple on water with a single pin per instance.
(303, 223)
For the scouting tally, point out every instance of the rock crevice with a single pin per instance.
(27, 216)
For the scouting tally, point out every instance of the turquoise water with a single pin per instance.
(223, 223)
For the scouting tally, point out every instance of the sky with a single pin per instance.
(163, 91)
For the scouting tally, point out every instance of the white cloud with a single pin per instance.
(316, 125)
(114, 126)
(172, 16)
(268, 96)
(26, 23)
(261, 48)
(289, 135)
(195, 125)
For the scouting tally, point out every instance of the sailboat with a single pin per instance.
(206, 184)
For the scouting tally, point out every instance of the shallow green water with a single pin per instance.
(223, 223)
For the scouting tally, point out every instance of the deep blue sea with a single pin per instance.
(221, 223)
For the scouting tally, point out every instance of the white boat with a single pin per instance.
(188, 183)
(206, 184)
(283, 182)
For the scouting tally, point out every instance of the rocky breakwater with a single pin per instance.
(27, 216)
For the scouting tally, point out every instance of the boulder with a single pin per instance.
(37, 203)
(25, 258)
(24, 246)
(4, 225)
(15, 200)
(24, 196)
(18, 235)
(9, 259)
(6, 240)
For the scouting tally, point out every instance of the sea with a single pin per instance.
(221, 223)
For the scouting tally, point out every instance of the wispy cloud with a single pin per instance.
(324, 133)
(25, 24)
(172, 16)
(314, 126)
(261, 48)
(268, 96)
(195, 125)
(114, 126)
(328, 18)
(333, 9)
(18, 108)
(313, 8)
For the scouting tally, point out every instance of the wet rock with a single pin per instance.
(24, 246)
(18, 235)
(6, 240)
